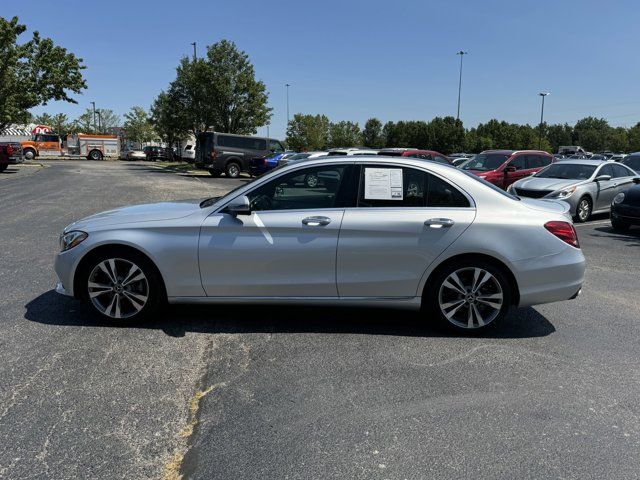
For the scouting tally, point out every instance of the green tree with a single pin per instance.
(60, 123)
(592, 133)
(219, 91)
(33, 73)
(633, 138)
(137, 126)
(558, 135)
(345, 134)
(105, 120)
(44, 119)
(308, 132)
(372, 136)
(167, 120)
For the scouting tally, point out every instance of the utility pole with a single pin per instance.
(542, 94)
(462, 54)
(195, 56)
(287, 86)
(94, 115)
(267, 131)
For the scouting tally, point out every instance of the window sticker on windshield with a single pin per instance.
(383, 184)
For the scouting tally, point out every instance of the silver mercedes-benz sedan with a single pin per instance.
(588, 186)
(373, 230)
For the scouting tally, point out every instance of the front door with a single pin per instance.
(521, 170)
(286, 247)
(386, 245)
(607, 189)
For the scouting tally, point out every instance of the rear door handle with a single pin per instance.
(439, 223)
(316, 221)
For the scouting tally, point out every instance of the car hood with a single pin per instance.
(138, 213)
(537, 183)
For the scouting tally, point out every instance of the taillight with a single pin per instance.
(9, 150)
(565, 231)
(213, 154)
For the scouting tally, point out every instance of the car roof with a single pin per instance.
(511, 152)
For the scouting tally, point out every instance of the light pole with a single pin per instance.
(542, 94)
(94, 114)
(287, 86)
(99, 121)
(462, 54)
(195, 56)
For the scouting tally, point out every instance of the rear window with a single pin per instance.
(248, 143)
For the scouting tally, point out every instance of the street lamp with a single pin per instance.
(462, 54)
(194, 51)
(99, 121)
(287, 86)
(542, 94)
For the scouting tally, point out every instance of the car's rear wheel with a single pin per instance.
(233, 170)
(469, 296)
(583, 210)
(122, 285)
(95, 155)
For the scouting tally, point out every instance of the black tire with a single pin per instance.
(583, 214)
(619, 226)
(155, 292)
(3, 166)
(233, 170)
(29, 154)
(95, 155)
(214, 173)
(483, 315)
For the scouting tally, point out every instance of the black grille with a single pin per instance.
(523, 192)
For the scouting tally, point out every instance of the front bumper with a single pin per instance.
(629, 214)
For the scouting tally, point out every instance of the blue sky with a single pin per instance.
(352, 60)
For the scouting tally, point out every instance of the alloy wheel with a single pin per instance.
(584, 210)
(118, 288)
(470, 298)
(311, 180)
(233, 170)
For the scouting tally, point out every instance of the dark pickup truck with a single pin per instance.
(10, 154)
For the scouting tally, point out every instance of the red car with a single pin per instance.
(415, 153)
(503, 167)
(10, 154)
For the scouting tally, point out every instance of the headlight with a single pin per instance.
(71, 239)
(567, 192)
(619, 198)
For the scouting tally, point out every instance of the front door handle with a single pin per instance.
(439, 223)
(316, 221)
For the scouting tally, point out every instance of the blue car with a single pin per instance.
(261, 165)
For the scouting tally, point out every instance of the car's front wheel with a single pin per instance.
(469, 296)
(122, 285)
(583, 210)
(619, 226)
(3, 166)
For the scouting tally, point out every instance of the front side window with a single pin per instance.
(418, 189)
(307, 189)
(607, 170)
(519, 162)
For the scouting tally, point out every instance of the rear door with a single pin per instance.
(404, 219)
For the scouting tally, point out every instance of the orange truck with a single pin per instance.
(93, 147)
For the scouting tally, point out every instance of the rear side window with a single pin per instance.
(419, 189)
(620, 171)
(519, 162)
(248, 143)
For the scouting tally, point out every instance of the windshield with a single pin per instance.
(486, 161)
(632, 162)
(574, 171)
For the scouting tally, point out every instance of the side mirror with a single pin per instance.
(509, 169)
(240, 206)
(603, 178)
(636, 180)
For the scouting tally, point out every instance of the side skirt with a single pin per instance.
(411, 303)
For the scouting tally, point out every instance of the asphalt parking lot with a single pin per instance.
(299, 393)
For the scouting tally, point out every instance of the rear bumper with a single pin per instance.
(14, 160)
(551, 278)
